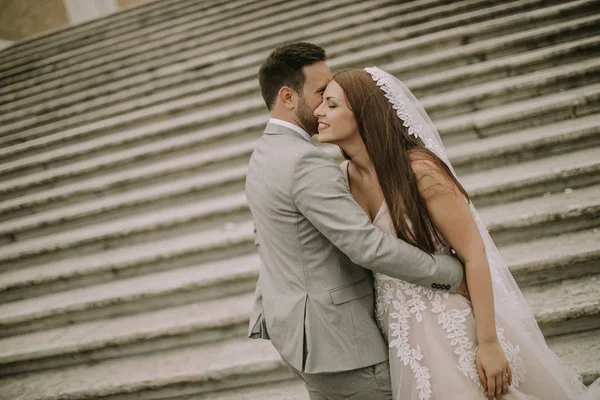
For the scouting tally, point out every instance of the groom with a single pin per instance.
(314, 297)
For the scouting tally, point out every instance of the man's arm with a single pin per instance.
(321, 194)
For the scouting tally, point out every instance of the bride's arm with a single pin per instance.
(452, 217)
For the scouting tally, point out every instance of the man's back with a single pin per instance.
(312, 294)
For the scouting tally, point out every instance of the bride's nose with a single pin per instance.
(319, 111)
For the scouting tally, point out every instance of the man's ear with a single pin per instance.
(285, 96)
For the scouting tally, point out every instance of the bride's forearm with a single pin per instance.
(479, 281)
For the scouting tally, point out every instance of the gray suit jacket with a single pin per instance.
(314, 299)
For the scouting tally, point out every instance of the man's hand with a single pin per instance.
(463, 289)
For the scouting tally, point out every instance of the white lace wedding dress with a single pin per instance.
(432, 342)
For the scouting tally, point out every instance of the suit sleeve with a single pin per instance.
(321, 194)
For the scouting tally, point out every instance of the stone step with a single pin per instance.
(224, 280)
(538, 261)
(466, 76)
(533, 178)
(580, 351)
(440, 105)
(192, 175)
(236, 21)
(139, 169)
(167, 328)
(151, 308)
(100, 130)
(151, 199)
(125, 333)
(568, 306)
(96, 126)
(512, 89)
(5, 44)
(49, 159)
(123, 262)
(98, 99)
(234, 368)
(456, 36)
(82, 151)
(565, 171)
(472, 156)
(520, 115)
(579, 167)
(228, 238)
(242, 14)
(462, 77)
(525, 145)
(233, 274)
(10, 153)
(357, 19)
(136, 228)
(128, 132)
(98, 88)
(80, 34)
(251, 55)
(494, 17)
(121, 165)
(516, 221)
(550, 259)
(513, 45)
(187, 371)
(125, 25)
(86, 336)
(168, 254)
(538, 217)
(208, 43)
(138, 113)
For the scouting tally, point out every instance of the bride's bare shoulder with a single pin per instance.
(431, 176)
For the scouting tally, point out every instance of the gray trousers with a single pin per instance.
(369, 383)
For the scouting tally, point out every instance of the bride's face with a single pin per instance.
(337, 123)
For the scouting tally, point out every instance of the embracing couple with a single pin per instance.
(363, 283)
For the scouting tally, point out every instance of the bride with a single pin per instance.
(442, 346)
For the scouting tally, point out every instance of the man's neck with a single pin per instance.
(291, 125)
(283, 117)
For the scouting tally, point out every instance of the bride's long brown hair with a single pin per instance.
(392, 152)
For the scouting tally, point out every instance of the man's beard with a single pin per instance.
(307, 118)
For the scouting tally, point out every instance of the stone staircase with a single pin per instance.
(127, 263)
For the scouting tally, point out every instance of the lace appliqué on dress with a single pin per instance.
(404, 304)
(453, 322)
(514, 360)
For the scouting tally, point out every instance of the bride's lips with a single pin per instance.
(322, 125)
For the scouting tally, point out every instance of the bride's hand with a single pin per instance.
(493, 369)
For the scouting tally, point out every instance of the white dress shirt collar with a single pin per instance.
(296, 128)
